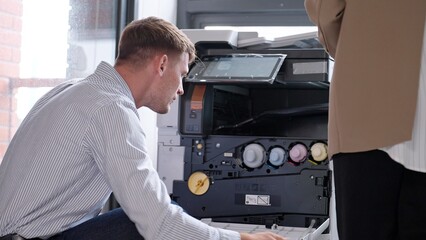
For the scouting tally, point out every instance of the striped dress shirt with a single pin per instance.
(80, 142)
(412, 154)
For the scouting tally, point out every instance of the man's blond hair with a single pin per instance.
(142, 39)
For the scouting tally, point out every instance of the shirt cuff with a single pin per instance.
(229, 235)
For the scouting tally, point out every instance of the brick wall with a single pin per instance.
(10, 43)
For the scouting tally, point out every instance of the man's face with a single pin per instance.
(170, 84)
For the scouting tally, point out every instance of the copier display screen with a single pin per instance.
(239, 67)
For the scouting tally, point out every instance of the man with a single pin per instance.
(377, 117)
(83, 140)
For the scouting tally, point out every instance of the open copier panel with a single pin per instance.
(254, 127)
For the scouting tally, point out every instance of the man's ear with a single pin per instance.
(162, 64)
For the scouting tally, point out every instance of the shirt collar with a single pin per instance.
(109, 73)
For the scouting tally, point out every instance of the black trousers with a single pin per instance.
(113, 225)
(16, 237)
(377, 198)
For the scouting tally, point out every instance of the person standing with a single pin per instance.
(83, 141)
(377, 115)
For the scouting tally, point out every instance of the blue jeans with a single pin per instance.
(111, 225)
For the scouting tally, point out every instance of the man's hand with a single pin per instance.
(261, 236)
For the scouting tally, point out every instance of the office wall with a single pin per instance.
(165, 9)
(10, 54)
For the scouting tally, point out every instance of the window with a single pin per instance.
(45, 42)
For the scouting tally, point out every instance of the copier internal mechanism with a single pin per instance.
(254, 127)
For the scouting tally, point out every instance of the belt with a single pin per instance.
(16, 237)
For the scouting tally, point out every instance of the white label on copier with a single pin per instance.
(310, 68)
(259, 200)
